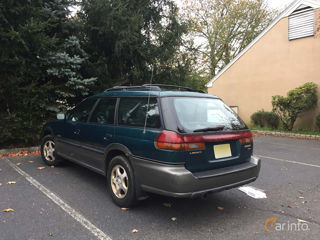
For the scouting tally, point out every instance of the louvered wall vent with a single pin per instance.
(301, 23)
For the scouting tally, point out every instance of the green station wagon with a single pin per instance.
(162, 139)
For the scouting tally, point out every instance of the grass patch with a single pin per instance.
(298, 131)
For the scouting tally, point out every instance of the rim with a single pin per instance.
(48, 150)
(119, 181)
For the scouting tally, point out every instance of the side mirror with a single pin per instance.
(60, 116)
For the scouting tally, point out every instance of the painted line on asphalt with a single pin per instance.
(253, 192)
(289, 161)
(65, 207)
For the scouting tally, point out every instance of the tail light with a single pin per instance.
(169, 140)
(246, 138)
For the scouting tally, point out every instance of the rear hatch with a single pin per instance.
(213, 134)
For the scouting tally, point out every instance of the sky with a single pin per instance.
(279, 4)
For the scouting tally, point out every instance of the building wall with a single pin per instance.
(273, 66)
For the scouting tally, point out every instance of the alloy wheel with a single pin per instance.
(48, 150)
(119, 181)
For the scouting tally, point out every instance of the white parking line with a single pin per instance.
(289, 161)
(253, 192)
(66, 207)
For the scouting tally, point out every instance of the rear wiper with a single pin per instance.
(208, 129)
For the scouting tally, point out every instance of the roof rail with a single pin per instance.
(153, 87)
(164, 87)
(132, 88)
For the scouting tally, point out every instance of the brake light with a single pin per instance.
(246, 138)
(169, 140)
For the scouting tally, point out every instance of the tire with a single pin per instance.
(48, 151)
(121, 184)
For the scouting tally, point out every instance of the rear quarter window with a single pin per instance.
(135, 111)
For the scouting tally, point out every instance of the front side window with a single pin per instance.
(205, 114)
(104, 111)
(81, 112)
(135, 111)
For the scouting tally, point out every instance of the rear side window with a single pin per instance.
(133, 112)
(104, 111)
(81, 112)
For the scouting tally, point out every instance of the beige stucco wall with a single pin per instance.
(273, 66)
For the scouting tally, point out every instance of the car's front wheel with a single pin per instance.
(121, 182)
(48, 148)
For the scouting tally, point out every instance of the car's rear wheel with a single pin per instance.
(121, 182)
(48, 148)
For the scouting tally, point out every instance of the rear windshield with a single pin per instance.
(206, 115)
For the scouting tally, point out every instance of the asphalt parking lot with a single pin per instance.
(71, 202)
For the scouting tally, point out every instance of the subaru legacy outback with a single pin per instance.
(161, 139)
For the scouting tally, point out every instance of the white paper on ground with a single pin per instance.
(253, 192)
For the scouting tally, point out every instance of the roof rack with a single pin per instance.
(153, 87)
(164, 87)
(132, 88)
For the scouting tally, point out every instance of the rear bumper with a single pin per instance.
(177, 181)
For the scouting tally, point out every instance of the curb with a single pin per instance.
(18, 150)
(289, 135)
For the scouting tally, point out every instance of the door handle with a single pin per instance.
(107, 136)
(77, 131)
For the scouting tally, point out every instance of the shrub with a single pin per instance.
(265, 119)
(318, 121)
(298, 100)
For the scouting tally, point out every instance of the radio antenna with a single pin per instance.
(146, 118)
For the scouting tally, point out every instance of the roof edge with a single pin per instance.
(284, 13)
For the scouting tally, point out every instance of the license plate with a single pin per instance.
(222, 151)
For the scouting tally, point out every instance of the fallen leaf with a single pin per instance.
(303, 221)
(173, 219)
(30, 161)
(8, 210)
(11, 182)
(167, 204)
(124, 209)
(19, 163)
(52, 166)
(220, 208)
(19, 154)
(41, 168)
(289, 206)
(135, 230)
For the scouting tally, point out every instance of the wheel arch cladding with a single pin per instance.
(116, 149)
(46, 131)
